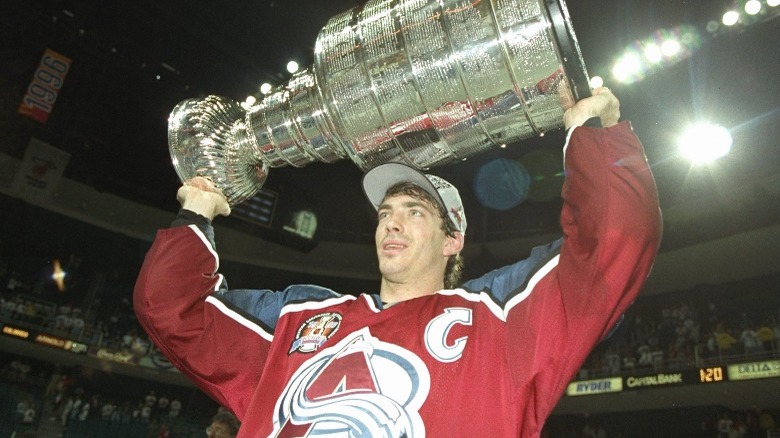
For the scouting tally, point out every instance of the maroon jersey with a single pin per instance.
(490, 358)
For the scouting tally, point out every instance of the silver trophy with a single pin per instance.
(423, 82)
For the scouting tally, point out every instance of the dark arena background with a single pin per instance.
(86, 179)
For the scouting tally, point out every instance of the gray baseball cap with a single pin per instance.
(379, 179)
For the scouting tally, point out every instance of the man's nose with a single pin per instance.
(393, 224)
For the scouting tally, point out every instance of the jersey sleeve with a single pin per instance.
(178, 301)
(573, 295)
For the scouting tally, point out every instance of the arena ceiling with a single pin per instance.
(133, 61)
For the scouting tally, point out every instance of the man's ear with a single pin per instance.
(454, 244)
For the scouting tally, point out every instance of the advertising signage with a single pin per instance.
(754, 370)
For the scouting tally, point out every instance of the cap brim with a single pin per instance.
(379, 179)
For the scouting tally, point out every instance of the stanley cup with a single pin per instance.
(423, 82)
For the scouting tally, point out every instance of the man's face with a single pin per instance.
(410, 240)
(218, 429)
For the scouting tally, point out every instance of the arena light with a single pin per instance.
(627, 67)
(292, 66)
(661, 49)
(58, 275)
(265, 88)
(596, 82)
(753, 7)
(730, 18)
(704, 142)
(670, 48)
(653, 53)
(772, 3)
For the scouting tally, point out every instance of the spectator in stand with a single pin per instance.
(612, 362)
(150, 399)
(78, 324)
(66, 410)
(139, 346)
(28, 416)
(146, 413)
(107, 410)
(127, 340)
(776, 328)
(67, 323)
(766, 422)
(711, 345)
(175, 408)
(750, 341)
(223, 425)
(724, 425)
(162, 406)
(7, 308)
(629, 361)
(739, 428)
(725, 342)
(21, 310)
(645, 355)
(593, 429)
(767, 336)
(85, 408)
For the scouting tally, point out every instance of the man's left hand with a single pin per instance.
(602, 104)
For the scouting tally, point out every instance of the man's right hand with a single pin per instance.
(201, 196)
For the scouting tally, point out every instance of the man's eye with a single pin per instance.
(416, 213)
(382, 215)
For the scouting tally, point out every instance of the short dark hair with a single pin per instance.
(454, 267)
(227, 418)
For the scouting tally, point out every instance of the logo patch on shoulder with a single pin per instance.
(315, 331)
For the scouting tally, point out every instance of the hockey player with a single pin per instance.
(427, 355)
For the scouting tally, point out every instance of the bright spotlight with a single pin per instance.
(705, 142)
(653, 53)
(670, 47)
(250, 100)
(730, 18)
(58, 275)
(753, 7)
(627, 67)
(292, 66)
(596, 82)
(772, 3)
(265, 88)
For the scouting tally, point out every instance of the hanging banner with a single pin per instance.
(40, 172)
(45, 86)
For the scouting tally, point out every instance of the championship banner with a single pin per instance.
(45, 86)
(39, 172)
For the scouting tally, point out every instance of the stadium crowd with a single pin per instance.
(709, 324)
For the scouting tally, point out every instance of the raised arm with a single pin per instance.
(221, 349)
(576, 292)
(610, 218)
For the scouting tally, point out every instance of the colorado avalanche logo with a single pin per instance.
(359, 387)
